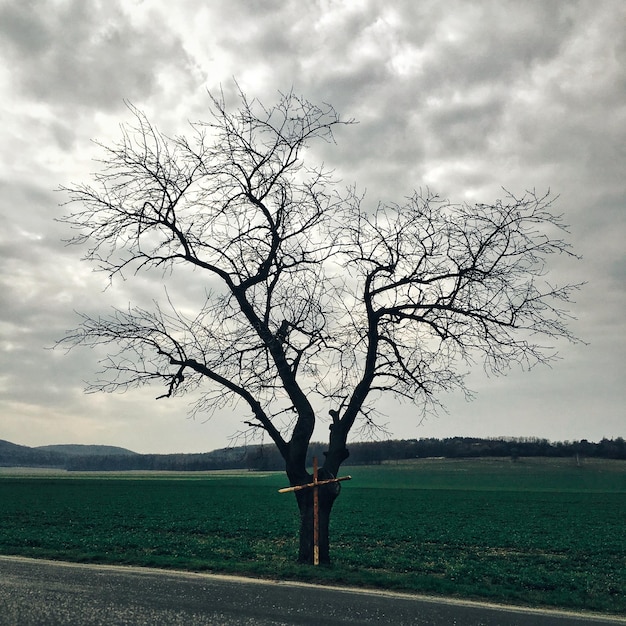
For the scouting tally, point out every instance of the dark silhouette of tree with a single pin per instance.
(317, 304)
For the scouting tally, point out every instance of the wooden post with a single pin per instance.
(316, 516)
(315, 485)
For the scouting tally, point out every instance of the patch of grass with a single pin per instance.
(497, 474)
(544, 532)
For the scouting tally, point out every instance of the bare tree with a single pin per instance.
(317, 305)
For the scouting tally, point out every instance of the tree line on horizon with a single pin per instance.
(267, 458)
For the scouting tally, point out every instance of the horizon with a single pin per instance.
(323, 443)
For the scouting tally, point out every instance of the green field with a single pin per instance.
(540, 532)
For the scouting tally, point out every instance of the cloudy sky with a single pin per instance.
(462, 97)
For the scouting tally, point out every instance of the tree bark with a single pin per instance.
(327, 494)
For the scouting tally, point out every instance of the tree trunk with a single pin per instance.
(327, 494)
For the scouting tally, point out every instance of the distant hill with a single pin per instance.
(13, 455)
(76, 457)
(85, 450)
(56, 456)
(6, 447)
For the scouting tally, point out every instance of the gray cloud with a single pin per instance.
(86, 53)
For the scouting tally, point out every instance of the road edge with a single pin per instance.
(509, 608)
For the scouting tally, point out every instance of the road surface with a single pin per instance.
(46, 593)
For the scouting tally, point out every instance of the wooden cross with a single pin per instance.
(315, 486)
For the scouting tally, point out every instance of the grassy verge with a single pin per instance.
(534, 532)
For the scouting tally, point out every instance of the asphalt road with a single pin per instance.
(35, 592)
